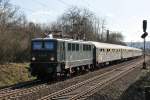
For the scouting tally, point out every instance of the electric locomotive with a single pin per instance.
(52, 57)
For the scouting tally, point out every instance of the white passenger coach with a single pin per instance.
(106, 52)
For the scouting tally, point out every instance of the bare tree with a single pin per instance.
(16, 32)
(13, 36)
(76, 22)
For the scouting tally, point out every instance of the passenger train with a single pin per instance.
(51, 57)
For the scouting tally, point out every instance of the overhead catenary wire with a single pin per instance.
(63, 2)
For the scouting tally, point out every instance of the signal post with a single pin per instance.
(144, 36)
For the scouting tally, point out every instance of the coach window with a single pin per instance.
(84, 47)
(107, 50)
(89, 47)
(77, 47)
(69, 46)
(73, 47)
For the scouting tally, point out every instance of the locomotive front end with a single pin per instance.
(43, 58)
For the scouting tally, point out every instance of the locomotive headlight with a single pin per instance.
(33, 58)
(52, 58)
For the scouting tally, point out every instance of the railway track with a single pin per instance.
(6, 94)
(86, 88)
(17, 86)
(12, 90)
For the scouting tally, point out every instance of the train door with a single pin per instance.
(121, 50)
(94, 56)
(62, 51)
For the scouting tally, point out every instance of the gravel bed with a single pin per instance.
(64, 84)
(115, 90)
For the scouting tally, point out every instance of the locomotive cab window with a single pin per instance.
(48, 45)
(37, 45)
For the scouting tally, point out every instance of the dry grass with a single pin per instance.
(13, 73)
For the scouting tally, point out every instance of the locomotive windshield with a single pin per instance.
(40, 45)
(37, 45)
(48, 45)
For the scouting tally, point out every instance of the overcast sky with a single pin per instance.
(125, 16)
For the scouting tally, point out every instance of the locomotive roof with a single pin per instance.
(97, 44)
(66, 40)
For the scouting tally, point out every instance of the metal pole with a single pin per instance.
(144, 63)
(62, 31)
(144, 49)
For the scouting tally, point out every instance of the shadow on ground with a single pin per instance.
(136, 90)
